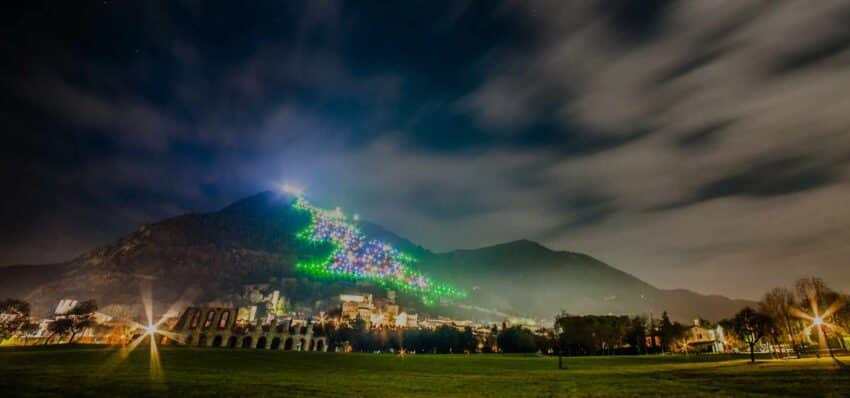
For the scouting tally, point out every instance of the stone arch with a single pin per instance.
(196, 318)
(231, 342)
(246, 342)
(320, 345)
(287, 345)
(208, 321)
(183, 319)
(302, 345)
(223, 319)
(217, 341)
(202, 340)
(312, 345)
(261, 342)
(275, 343)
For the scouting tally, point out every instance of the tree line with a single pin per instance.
(445, 339)
(616, 335)
(17, 320)
(810, 317)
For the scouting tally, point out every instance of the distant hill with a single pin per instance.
(209, 257)
(526, 277)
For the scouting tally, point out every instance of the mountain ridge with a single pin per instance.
(252, 240)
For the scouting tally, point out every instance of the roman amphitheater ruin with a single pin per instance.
(218, 327)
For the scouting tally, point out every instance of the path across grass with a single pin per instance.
(192, 372)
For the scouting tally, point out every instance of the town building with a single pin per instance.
(375, 312)
(703, 337)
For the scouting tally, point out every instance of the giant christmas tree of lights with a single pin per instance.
(357, 257)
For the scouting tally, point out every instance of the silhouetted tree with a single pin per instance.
(18, 312)
(516, 339)
(636, 334)
(28, 327)
(60, 327)
(468, 342)
(750, 326)
(81, 317)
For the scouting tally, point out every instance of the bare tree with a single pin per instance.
(17, 312)
(750, 326)
(59, 327)
(814, 295)
(778, 303)
(28, 327)
(82, 317)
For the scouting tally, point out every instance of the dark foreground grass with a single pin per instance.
(188, 372)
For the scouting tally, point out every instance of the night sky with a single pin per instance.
(701, 145)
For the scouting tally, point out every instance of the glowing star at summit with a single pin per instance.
(292, 189)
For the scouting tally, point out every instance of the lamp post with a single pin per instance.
(823, 327)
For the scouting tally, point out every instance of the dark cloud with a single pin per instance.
(703, 136)
(776, 177)
(636, 20)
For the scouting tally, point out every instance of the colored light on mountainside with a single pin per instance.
(355, 256)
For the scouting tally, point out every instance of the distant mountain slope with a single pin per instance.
(526, 277)
(211, 256)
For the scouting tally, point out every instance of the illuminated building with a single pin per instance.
(64, 306)
(376, 312)
(701, 337)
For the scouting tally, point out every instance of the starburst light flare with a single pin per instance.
(818, 320)
(150, 330)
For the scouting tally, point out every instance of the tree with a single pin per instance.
(28, 327)
(468, 342)
(81, 317)
(750, 326)
(516, 339)
(636, 334)
(61, 327)
(671, 332)
(778, 304)
(16, 313)
(815, 295)
(841, 317)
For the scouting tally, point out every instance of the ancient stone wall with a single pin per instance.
(217, 327)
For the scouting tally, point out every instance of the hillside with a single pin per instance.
(209, 257)
(526, 277)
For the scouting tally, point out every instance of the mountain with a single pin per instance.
(211, 256)
(527, 278)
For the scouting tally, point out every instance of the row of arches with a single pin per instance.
(276, 343)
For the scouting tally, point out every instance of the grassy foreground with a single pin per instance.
(188, 372)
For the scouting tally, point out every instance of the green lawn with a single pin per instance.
(191, 372)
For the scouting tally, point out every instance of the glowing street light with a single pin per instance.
(818, 321)
(150, 330)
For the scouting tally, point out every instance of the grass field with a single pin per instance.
(187, 372)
